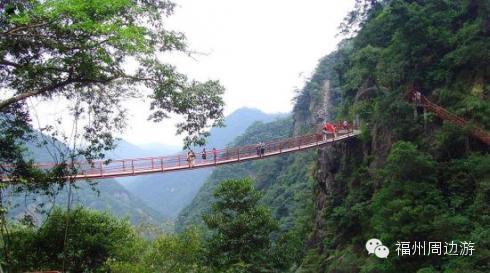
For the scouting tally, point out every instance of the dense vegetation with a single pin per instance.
(239, 239)
(93, 238)
(285, 182)
(409, 176)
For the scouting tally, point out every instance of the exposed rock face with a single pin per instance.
(329, 159)
(317, 110)
(333, 159)
(327, 167)
(323, 113)
(333, 162)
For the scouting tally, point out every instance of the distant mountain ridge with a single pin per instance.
(106, 195)
(125, 149)
(236, 124)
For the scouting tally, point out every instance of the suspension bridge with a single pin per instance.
(474, 129)
(180, 162)
(231, 155)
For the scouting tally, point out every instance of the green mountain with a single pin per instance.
(169, 193)
(105, 195)
(108, 195)
(284, 181)
(410, 176)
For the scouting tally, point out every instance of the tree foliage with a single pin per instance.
(91, 239)
(416, 177)
(95, 54)
(240, 229)
(182, 252)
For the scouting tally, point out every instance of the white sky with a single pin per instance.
(261, 51)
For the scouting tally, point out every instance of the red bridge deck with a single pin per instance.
(140, 166)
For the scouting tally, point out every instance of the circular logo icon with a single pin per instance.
(372, 244)
(381, 252)
(376, 247)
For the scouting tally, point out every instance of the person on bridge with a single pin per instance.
(417, 97)
(346, 126)
(203, 154)
(329, 128)
(215, 154)
(190, 158)
(257, 148)
(262, 148)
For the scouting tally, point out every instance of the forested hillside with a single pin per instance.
(108, 195)
(411, 176)
(284, 181)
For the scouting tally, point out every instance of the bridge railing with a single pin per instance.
(100, 169)
(181, 161)
(475, 128)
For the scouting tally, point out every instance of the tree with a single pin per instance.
(362, 12)
(240, 228)
(92, 239)
(93, 54)
(82, 51)
(179, 252)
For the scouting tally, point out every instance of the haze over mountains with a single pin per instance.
(108, 195)
(169, 193)
(156, 198)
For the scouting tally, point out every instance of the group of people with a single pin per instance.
(330, 129)
(191, 156)
(260, 148)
